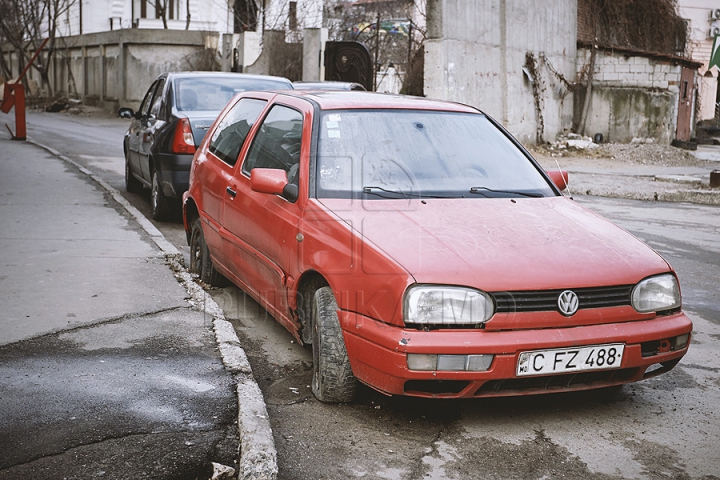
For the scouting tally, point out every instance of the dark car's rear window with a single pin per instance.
(414, 153)
(208, 93)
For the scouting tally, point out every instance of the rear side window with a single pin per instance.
(157, 99)
(277, 143)
(228, 138)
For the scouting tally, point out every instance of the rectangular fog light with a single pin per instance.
(681, 341)
(451, 362)
(416, 361)
(479, 363)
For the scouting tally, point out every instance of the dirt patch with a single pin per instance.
(624, 154)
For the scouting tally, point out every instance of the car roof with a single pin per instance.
(248, 76)
(345, 99)
(328, 85)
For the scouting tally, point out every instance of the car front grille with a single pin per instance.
(547, 300)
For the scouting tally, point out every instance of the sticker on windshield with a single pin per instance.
(335, 117)
(333, 133)
(332, 124)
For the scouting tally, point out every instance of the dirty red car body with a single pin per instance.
(414, 282)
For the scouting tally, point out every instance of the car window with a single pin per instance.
(277, 143)
(228, 138)
(213, 93)
(157, 98)
(408, 153)
(145, 105)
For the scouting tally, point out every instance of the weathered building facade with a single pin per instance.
(539, 68)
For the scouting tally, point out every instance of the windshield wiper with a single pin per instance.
(482, 190)
(380, 190)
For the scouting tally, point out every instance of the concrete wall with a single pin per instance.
(476, 51)
(632, 96)
(116, 68)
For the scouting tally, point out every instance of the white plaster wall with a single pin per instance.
(476, 52)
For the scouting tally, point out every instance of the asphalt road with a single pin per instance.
(665, 427)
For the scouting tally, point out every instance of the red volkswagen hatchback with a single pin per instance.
(422, 251)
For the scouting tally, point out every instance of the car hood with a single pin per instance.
(501, 244)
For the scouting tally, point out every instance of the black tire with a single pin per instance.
(132, 184)
(200, 262)
(333, 379)
(160, 205)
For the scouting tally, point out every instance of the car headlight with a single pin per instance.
(656, 293)
(447, 305)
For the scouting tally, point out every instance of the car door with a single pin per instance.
(217, 170)
(263, 228)
(136, 127)
(149, 125)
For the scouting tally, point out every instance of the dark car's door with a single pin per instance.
(136, 128)
(262, 227)
(150, 124)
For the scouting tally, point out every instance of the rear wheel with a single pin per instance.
(200, 262)
(132, 184)
(333, 379)
(159, 203)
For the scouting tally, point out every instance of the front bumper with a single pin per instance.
(378, 355)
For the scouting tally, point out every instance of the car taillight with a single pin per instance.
(183, 140)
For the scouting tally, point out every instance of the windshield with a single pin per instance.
(412, 153)
(208, 93)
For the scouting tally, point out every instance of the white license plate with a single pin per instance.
(563, 360)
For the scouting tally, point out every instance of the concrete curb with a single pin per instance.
(257, 453)
(700, 197)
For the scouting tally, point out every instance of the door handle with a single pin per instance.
(231, 192)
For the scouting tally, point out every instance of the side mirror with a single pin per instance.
(126, 112)
(559, 177)
(273, 181)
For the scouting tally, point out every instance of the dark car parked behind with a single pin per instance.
(174, 116)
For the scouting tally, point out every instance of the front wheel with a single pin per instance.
(159, 203)
(333, 379)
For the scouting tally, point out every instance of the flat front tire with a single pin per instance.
(200, 262)
(333, 379)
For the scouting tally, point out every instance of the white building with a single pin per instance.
(703, 18)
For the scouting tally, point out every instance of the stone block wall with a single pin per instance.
(633, 96)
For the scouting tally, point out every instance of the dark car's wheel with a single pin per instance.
(132, 184)
(159, 203)
(333, 380)
(200, 262)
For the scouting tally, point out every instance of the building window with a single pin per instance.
(155, 8)
(245, 16)
(292, 16)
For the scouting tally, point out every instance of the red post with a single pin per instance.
(20, 128)
(14, 96)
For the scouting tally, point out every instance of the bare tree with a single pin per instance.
(161, 9)
(24, 24)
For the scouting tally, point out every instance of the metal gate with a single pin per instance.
(348, 62)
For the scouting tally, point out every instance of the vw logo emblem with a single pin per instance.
(568, 303)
